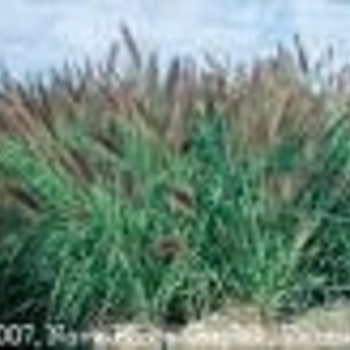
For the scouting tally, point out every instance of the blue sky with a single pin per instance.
(36, 34)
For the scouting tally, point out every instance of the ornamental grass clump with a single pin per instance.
(143, 195)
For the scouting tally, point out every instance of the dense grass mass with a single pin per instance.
(138, 194)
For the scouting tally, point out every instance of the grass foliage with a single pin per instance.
(161, 197)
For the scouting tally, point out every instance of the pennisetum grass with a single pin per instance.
(153, 196)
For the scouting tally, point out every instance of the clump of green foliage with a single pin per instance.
(157, 199)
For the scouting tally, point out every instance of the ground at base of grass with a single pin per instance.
(320, 328)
